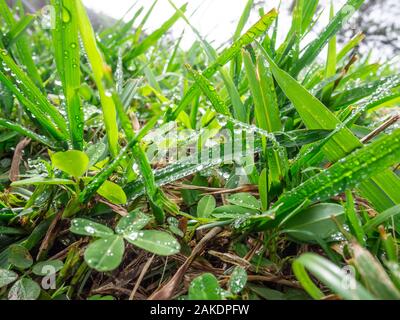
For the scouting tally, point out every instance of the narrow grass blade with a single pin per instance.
(22, 45)
(330, 274)
(102, 75)
(26, 132)
(345, 174)
(154, 37)
(316, 116)
(334, 26)
(67, 54)
(227, 55)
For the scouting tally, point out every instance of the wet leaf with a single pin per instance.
(7, 277)
(20, 257)
(73, 162)
(86, 227)
(24, 289)
(105, 254)
(154, 241)
(205, 287)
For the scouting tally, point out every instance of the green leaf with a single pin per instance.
(134, 221)
(238, 280)
(373, 274)
(101, 74)
(353, 219)
(49, 267)
(32, 99)
(346, 173)
(20, 257)
(24, 289)
(233, 211)
(381, 218)
(205, 287)
(267, 293)
(22, 42)
(67, 57)
(335, 25)
(7, 277)
(380, 189)
(112, 192)
(208, 89)
(11, 231)
(37, 181)
(26, 132)
(245, 200)
(105, 254)
(316, 220)
(206, 206)
(255, 31)
(154, 241)
(173, 226)
(73, 162)
(86, 227)
(330, 275)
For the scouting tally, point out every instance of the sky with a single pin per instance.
(215, 19)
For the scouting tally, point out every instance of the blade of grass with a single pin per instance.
(346, 173)
(154, 37)
(67, 54)
(379, 190)
(330, 274)
(22, 45)
(102, 75)
(31, 97)
(228, 54)
(334, 26)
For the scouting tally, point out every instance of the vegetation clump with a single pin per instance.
(134, 169)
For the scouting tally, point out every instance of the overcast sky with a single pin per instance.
(215, 19)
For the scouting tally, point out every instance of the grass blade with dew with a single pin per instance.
(330, 69)
(18, 31)
(344, 174)
(335, 25)
(102, 75)
(267, 117)
(103, 175)
(26, 132)
(67, 54)
(22, 45)
(227, 55)
(191, 165)
(315, 115)
(329, 274)
(153, 37)
(31, 97)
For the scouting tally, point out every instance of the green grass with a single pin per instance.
(129, 166)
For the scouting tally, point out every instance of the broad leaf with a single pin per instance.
(105, 254)
(245, 200)
(134, 221)
(112, 192)
(206, 206)
(24, 289)
(49, 267)
(154, 241)
(73, 162)
(238, 280)
(205, 287)
(86, 227)
(7, 277)
(316, 220)
(20, 257)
